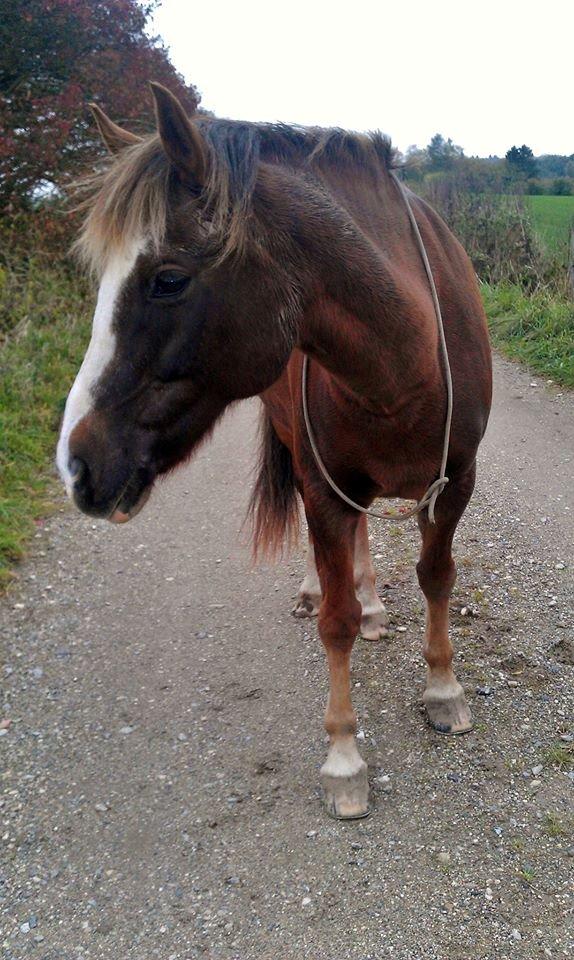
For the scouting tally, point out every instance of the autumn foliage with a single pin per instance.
(55, 57)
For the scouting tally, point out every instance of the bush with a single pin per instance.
(536, 188)
(496, 232)
(562, 187)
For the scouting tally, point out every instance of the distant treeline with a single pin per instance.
(518, 172)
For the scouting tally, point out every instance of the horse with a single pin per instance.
(227, 252)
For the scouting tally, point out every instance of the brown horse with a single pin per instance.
(226, 252)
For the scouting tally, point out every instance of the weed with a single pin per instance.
(561, 755)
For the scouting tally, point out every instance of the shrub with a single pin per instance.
(496, 232)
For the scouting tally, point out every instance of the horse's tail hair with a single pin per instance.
(273, 508)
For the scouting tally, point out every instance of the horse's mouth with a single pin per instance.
(133, 498)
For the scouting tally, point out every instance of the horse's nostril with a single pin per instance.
(78, 470)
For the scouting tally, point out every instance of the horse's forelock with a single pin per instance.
(124, 201)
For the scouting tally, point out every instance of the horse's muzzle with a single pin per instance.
(117, 505)
(108, 477)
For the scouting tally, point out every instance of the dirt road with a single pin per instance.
(160, 767)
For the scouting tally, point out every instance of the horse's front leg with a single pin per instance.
(444, 697)
(344, 773)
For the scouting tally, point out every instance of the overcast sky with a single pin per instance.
(488, 74)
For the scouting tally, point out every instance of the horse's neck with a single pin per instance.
(368, 318)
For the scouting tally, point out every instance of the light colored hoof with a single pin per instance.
(346, 798)
(306, 606)
(448, 713)
(374, 626)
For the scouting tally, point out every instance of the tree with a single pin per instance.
(56, 56)
(551, 165)
(442, 154)
(521, 162)
(415, 162)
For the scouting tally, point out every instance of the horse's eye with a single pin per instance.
(168, 283)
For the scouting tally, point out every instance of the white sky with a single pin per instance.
(489, 74)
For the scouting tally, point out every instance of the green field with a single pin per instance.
(553, 218)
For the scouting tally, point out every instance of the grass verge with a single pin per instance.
(537, 329)
(39, 358)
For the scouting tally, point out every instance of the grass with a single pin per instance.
(561, 755)
(553, 218)
(555, 826)
(45, 329)
(537, 329)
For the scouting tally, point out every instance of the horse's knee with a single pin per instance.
(436, 577)
(340, 625)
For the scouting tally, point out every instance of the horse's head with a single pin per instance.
(192, 313)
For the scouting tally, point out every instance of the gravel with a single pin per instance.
(124, 837)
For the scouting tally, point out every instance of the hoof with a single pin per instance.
(448, 713)
(374, 626)
(346, 798)
(306, 606)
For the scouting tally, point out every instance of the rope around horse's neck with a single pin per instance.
(430, 497)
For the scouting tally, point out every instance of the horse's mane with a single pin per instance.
(128, 197)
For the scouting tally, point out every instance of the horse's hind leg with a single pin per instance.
(374, 616)
(444, 697)
(309, 596)
(344, 773)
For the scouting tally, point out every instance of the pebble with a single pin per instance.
(305, 901)
(537, 770)
(310, 834)
(127, 730)
(512, 683)
(182, 737)
(484, 691)
(101, 807)
(516, 935)
(534, 784)
(443, 857)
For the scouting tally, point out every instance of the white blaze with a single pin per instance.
(99, 354)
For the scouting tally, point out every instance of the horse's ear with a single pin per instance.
(113, 136)
(180, 138)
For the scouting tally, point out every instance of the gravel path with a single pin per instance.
(160, 766)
